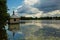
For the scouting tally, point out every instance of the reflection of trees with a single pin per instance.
(48, 33)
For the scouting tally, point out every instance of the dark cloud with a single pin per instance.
(48, 8)
(48, 5)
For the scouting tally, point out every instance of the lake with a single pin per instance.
(36, 30)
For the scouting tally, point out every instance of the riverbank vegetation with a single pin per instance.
(3, 18)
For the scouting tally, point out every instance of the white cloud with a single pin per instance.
(19, 6)
(30, 2)
(34, 15)
(52, 14)
(29, 15)
(38, 14)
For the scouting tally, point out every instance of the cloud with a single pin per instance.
(27, 9)
(38, 8)
(34, 15)
(48, 5)
(30, 2)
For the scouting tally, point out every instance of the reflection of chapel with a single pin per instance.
(14, 22)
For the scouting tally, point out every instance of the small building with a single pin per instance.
(13, 22)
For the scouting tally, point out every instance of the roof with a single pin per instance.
(14, 16)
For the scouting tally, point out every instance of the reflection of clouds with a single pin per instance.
(18, 35)
(51, 25)
(31, 22)
(32, 26)
(54, 25)
(40, 23)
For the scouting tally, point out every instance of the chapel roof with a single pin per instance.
(14, 15)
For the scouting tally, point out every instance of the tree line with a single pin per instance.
(40, 18)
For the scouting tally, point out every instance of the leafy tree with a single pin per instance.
(3, 17)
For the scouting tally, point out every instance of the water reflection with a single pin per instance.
(44, 28)
(39, 30)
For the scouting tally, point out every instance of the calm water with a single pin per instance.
(37, 30)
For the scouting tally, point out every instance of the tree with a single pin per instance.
(3, 17)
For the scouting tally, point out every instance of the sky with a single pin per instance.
(35, 8)
(13, 4)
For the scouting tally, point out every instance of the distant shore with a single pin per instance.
(40, 18)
